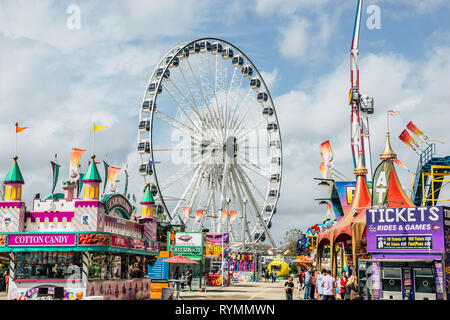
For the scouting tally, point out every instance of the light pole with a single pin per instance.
(244, 221)
(228, 200)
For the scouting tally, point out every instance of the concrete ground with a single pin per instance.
(243, 291)
(240, 291)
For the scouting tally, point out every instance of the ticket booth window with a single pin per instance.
(391, 283)
(424, 282)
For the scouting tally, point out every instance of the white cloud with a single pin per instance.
(271, 78)
(294, 40)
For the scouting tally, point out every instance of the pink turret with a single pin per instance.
(69, 188)
(12, 210)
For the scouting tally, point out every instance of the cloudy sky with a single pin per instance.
(57, 79)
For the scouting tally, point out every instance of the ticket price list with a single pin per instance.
(405, 242)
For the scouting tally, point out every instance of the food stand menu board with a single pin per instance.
(189, 244)
(411, 229)
(119, 241)
(159, 271)
(399, 242)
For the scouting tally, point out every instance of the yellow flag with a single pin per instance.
(97, 128)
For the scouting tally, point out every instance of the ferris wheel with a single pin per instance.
(208, 118)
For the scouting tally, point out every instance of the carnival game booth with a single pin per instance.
(241, 266)
(409, 248)
(70, 248)
(280, 266)
(215, 255)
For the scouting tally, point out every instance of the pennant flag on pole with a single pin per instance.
(112, 178)
(407, 139)
(233, 215)
(327, 158)
(323, 170)
(393, 113)
(328, 209)
(414, 129)
(224, 214)
(19, 129)
(98, 128)
(126, 183)
(55, 169)
(80, 184)
(327, 154)
(153, 162)
(199, 215)
(75, 157)
(106, 165)
(187, 212)
(397, 161)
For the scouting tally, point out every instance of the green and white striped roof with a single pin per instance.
(147, 197)
(14, 174)
(92, 173)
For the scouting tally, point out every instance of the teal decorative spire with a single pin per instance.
(92, 173)
(14, 175)
(147, 198)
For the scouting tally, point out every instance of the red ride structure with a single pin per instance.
(361, 105)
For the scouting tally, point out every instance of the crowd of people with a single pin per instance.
(321, 285)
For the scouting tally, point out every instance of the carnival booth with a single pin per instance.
(242, 266)
(408, 252)
(280, 266)
(216, 253)
(72, 248)
(401, 253)
(190, 245)
(406, 243)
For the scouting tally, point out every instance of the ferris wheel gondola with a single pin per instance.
(216, 133)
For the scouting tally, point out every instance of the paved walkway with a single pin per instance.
(240, 291)
(243, 291)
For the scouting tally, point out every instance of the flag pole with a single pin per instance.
(17, 124)
(93, 139)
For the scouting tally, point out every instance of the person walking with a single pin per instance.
(351, 291)
(289, 287)
(274, 274)
(343, 280)
(319, 279)
(6, 280)
(266, 274)
(312, 292)
(299, 284)
(189, 277)
(329, 286)
(2, 282)
(307, 285)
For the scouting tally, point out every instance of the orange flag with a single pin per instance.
(19, 129)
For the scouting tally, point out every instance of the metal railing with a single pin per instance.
(425, 157)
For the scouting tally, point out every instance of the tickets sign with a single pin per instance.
(411, 229)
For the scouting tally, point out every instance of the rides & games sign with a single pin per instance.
(412, 229)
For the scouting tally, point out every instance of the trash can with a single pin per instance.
(166, 293)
